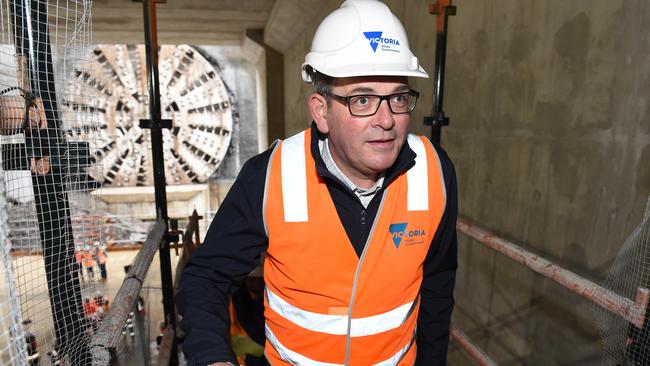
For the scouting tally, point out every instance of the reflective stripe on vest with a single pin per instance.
(294, 179)
(325, 305)
(417, 177)
(294, 183)
(299, 360)
(338, 324)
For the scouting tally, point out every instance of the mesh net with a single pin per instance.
(624, 343)
(49, 227)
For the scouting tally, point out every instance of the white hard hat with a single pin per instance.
(361, 38)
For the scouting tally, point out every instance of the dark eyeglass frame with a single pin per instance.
(346, 100)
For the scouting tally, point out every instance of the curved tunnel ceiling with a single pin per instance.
(113, 91)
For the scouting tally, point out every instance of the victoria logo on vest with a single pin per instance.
(398, 232)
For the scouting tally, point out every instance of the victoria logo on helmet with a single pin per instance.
(375, 39)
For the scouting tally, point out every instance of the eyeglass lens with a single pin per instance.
(365, 105)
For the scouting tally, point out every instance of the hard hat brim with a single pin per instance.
(370, 69)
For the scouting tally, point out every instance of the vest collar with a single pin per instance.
(405, 160)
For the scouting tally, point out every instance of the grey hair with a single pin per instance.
(322, 83)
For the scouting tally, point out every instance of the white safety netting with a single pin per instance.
(47, 217)
(624, 343)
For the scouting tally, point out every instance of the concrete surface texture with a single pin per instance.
(239, 75)
(550, 134)
(221, 22)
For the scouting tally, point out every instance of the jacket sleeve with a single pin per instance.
(231, 249)
(437, 292)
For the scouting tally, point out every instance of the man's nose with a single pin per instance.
(384, 117)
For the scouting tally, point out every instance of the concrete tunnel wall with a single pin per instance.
(550, 134)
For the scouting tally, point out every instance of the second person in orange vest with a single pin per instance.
(88, 261)
(101, 257)
(356, 216)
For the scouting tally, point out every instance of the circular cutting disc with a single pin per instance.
(113, 92)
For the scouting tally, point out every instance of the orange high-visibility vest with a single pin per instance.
(78, 256)
(323, 304)
(237, 333)
(90, 307)
(88, 260)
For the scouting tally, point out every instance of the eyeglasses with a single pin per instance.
(365, 105)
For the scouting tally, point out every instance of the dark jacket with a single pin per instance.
(236, 239)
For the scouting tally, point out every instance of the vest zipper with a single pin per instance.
(358, 270)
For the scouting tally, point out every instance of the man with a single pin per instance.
(101, 258)
(357, 218)
(88, 261)
(247, 320)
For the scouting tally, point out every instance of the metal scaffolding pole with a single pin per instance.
(480, 358)
(443, 9)
(156, 124)
(633, 311)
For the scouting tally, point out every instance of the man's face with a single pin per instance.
(362, 147)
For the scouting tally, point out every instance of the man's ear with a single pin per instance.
(318, 109)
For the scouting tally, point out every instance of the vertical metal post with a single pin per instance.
(443, 9)
(156, 124)
(36, 74)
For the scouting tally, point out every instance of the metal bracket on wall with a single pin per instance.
(163, 123)
(442, 9)
(174, 235)
(437, 8)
